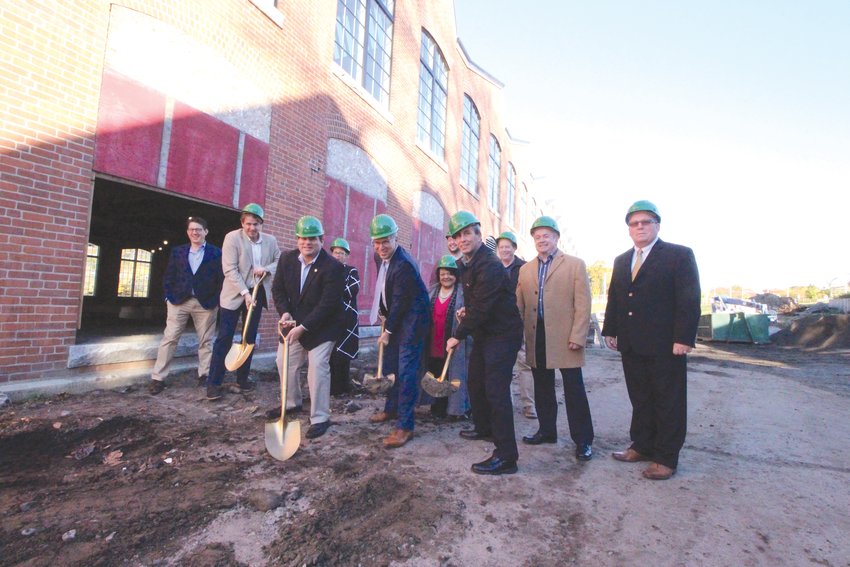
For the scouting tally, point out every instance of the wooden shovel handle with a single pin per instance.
(446, 366)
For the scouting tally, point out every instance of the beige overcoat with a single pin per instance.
(566, 308)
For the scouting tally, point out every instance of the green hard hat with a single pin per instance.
(460, 220)
(382, 226)
(341, 243)
(646, 206)
(509, 235)
(547, 222)
(448, 261)
(308, 226)
(254, 209)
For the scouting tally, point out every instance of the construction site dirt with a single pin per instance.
(126, 478)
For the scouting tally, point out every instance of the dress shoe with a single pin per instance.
(214, 392)
(274, 413)
(245, 385)
(473, 435)
(538, 439)
(397, 438)
(202, 380)
(381, 417)
(584, 452)
(629, 456)
(156, 387)
(494, 466)
(317, 429)
(657, 471)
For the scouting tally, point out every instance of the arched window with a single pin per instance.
(510, 213)
(494, 172)
(470, 140)
(363, 44)
(433, 94)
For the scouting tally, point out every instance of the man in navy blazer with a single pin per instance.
(307, 292)
(651, 318)
(192, 283)
(401, 299)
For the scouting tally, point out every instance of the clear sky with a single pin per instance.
(732, 116)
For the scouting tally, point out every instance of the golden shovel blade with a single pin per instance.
(283, 438)
(434, 387)
(237, 356)
(378, 384)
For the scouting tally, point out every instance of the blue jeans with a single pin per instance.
(224, 340)
(405, 361)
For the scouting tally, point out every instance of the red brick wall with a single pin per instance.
(50, 78)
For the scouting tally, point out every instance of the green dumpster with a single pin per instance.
(734, 328)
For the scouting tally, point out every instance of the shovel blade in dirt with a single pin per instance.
(436, 388)
(283, 438)
(377, 384)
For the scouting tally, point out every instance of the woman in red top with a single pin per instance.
(446, 299)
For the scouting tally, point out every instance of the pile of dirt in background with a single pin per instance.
(816, 332)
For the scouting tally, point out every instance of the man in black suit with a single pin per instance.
(192, 283)
(307, 288)
(401, 299)
(651, 318)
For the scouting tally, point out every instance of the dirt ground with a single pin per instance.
(124, 478)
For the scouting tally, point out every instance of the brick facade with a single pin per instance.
(54, 62)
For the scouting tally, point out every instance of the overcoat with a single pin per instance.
(566, 305)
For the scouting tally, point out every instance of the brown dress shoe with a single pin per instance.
(629, 456)
(380, 417)
(657, 471)
(397, 438)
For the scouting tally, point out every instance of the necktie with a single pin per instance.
(379, 292)
(638, 263)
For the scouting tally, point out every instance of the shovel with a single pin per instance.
(283, 438)
(378, 383)
(239, 353)
(440, 387)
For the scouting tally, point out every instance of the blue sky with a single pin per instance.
(733, 117)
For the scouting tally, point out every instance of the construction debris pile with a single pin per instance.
(816, 329)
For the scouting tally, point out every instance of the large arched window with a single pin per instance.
(433, 94)
(494, 172)
(364, 43)
(510, 201)
(470, 140)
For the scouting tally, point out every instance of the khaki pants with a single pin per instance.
(524, 381)
(175, 324)
(318, 378)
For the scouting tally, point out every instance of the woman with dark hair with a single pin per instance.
(446, 298)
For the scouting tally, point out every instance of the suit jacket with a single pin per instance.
(179, 283)
(566, 310)
(491, 309)
(406, 305)
(237, 262)
(659, 308)
(318, 306)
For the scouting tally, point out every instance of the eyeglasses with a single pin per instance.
(637, 223)
(195, 229)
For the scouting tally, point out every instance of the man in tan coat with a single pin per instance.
(553, 296)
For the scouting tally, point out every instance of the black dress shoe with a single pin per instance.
(495, 465)
(246, 385)
(274, 413)
(538, 439)
(584, 452)
(474, 435)
(317, 429)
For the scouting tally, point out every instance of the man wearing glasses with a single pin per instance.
(192, 283)
(651, 318)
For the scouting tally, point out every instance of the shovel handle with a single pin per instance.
(380, 373)
(251, 309)
(446, 366)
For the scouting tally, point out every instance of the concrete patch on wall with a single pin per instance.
(353, 167)
(165, 59)
(428, 209)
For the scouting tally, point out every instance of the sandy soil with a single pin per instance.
(123, 478)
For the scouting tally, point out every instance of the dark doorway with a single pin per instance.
(132, 233)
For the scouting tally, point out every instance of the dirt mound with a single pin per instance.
(816, 332)
(374, 520)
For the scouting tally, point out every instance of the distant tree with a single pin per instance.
(599, 275)
(812, 293)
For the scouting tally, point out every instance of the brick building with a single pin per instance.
(119, 120)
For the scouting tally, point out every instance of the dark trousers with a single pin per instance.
(491, 364)
(340, 373)
(227, 319)
(575, 396)
(657, 388)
